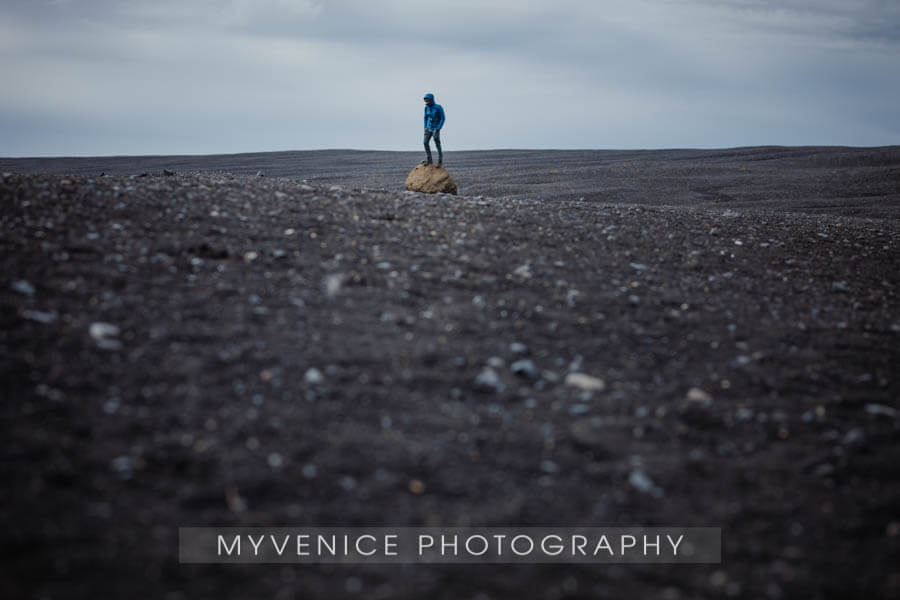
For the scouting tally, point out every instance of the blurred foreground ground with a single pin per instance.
(216, 348)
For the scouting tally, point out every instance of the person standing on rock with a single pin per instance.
(434, 120)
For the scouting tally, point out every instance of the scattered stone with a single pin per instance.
(698, 396)
(168, 173)
(524, 368)
(518, 348)
(744, 414)
(123, 466)
(417, 487)
(260, 174)
(309, 471)
(548, 466)
(313, 376)
(813, 415)
(880, 410)
(523, 271)
(839, 286)
(430, 180)
(854, 437)
(577, 364)
(579, 409)
(642, 483)
(275, 460)
(549, 376)
(105, 334)
(489, 381)
(39, 316)
(23, 287)
(332, 284)
(585, 382)
(639, 266)
(741, 360)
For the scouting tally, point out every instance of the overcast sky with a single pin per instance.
(91, 77)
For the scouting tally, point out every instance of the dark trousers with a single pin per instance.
(436, 134)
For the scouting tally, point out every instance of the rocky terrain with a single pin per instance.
(316, 346)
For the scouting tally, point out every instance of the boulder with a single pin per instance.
(430, 179)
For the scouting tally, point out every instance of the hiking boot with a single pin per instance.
(440, 163)
(427, 161)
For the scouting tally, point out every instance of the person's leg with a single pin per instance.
(437, 144)
(427, 141)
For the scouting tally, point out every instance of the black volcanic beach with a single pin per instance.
(579, 338)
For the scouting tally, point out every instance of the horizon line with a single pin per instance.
(651, 149)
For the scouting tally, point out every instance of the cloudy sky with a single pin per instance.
(90, 77)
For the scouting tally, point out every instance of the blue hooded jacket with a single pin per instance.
(434, 114)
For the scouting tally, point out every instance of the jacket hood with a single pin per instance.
(429, 97)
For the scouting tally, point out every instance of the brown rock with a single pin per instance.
(430, 180)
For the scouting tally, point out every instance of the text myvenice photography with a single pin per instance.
(360, 545)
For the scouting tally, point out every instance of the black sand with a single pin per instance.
(767, 278)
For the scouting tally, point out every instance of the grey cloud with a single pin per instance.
(206, 76)
(860, 20)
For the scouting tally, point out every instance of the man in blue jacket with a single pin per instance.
(434, 120)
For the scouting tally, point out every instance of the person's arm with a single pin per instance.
(441, 122)
(426, 117)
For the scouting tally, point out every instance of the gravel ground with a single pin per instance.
(214, 347)
(861, 182)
